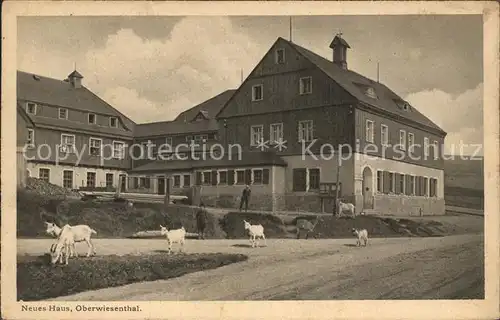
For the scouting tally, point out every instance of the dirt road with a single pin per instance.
(402, 268)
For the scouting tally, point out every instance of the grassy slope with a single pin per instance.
(464, 183)
(37, 279)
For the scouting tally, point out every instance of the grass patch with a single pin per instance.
(38, 280)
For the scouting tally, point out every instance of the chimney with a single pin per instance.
(339, 47)
(75, 79)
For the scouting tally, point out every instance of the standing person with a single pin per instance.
(201, 221)
(245, 197)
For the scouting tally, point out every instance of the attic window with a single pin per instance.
(31, 108)
(91, 118)
(280, 56)
(371, 93)
(63, 113)
(406, 106)
(37, 78)
(113, 122)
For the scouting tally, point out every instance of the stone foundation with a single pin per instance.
(270, 202)
(300, 202)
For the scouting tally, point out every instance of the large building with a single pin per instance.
(288, 120)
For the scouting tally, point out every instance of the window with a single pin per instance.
(412, 185)
(177, 181)
(256, 135)
(30, 139)
(187, 180)
(44, 174)
(402, 139)
(204, 137)
(109, 180)
(189, 139)
(68, 179)
(257, 176)
(257, 93)
(95, 146)
(306, 130)
(371, 93)
(91, 179)
(314, 178)
(113, 122)
(280, 56)
(426, 146)
(436, 150)
(305, 86)
(63, 113)
(67, 143)
(433, 187)
(299, 179)
(425, 190)
(92, 118)
(392, 182)
(276, 132)
(118, 150)
(168, 141)
(411, 141)
(207, 177)
(380, 181)
(222, 177)
(384, 135)
(401, 184)
(369, 131)
(31, 108)
(240, 176)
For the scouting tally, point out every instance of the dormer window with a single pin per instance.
(257, 93)
(92, 118)
(370, 92)
(406, 107)
(31, 108)
(280, 56)
(113, 122)
(63, 113)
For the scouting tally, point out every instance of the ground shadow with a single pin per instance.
(160, 251)
(350, 245)
(241, 245)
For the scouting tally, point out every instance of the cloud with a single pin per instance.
(461, 116)
(201, 58)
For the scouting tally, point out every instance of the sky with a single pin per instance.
(153, 68)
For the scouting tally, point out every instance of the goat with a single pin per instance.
(343, 206)
(307, 226)
(174, 236)
(362, 234)
(65, 242)
(81, 233)
(255, 232)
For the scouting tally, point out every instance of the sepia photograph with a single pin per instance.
(263, 157)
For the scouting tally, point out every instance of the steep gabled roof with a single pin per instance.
(21, 112)
(209, 108)
(354, 83)
(183, 122)
(173, 127)
(61, 93)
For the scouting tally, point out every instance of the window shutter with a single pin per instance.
(214, 178)
(299, 179)
(419, 184)
(407, 185)
(198, 178)
(230, 177)
(265, 176)
(396, 183)
(248, 176)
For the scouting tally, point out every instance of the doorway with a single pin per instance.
(161, 185)
(123, 183)
(367, 188)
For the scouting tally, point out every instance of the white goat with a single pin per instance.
(81, 233)
(362, 234)
(343, 206)
(174, 236)
(255, 232)
(64, 242)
